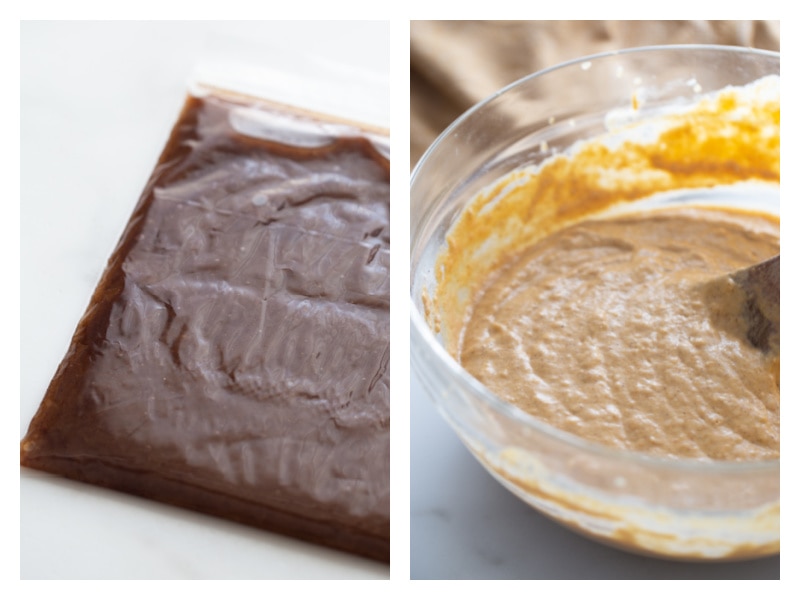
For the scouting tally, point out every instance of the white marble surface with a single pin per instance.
(465, 525)
(97, 103)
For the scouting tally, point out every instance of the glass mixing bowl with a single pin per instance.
(676, 508)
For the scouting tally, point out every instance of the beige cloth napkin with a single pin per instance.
(455, 64)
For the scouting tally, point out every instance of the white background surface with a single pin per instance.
(98, 101)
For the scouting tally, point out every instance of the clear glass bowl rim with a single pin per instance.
(454, 370)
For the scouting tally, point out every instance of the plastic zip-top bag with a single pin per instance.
(234, 357)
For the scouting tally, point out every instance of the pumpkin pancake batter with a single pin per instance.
(586, 290)
(612, 330)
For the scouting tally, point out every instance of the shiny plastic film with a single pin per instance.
(234, 357)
